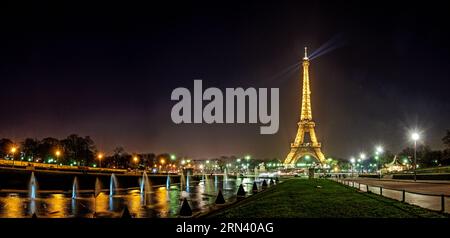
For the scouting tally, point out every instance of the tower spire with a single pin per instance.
(306, 54)
(306, 112)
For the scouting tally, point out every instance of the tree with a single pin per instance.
(120, 159)
(30, 148)
(46, 148)
(446, 139)
(425, 156)
(5, 147)
(78, 149)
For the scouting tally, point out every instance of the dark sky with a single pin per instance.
(108, 71)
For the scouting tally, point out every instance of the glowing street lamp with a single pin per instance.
(100, 157)
(13, 151)
(57, 154)
(173, 157)
(352, 160)
(247, 157)
(415, 137)
(378, 150)
(362, 156)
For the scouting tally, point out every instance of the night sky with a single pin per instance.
(108, 71)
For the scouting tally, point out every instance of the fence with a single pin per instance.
(429, 201)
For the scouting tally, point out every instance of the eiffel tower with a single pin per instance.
(301, 148)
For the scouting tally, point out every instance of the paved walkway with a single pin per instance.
(429, 187)
(414, 191)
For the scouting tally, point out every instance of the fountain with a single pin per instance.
(75, 188)
(225, 178)
(256, 172)
(182, 180)
(33, 193)
(168, 182)
(33, 187)
(216, 180)
(187, 181)
(98, 187)
(145, 184)
(113, 185)
(97, 190)
(145, 188)
(225, 175)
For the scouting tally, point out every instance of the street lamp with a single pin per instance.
(362, 157)
(13, 151)
(57, 154)
(162, 161)
(352, 160)
(378, 150)
(415, 137)
(100, 157)
(136, 159)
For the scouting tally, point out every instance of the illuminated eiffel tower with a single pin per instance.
(301, 148)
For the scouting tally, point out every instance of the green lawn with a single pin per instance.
(300, 198)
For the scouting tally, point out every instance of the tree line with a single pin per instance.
(71, 150)
(74, 150)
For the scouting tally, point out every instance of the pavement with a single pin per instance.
(426, 186)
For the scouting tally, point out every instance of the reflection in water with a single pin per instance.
(12, 206)
(58, 205)
(162, 198)
(32, 207)
(162, 202)
(134, 201)
(102, 201)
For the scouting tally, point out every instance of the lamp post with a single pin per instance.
(57, 154)
(415, 136)
(100, 157)
(352, 160)
(13, 151)
(378, 151)
(136, 160)
(362, 157)
(162, 162)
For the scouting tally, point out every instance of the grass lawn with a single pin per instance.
(300, 198)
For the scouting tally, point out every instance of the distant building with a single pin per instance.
(394, 166)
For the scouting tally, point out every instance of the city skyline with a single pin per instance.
(384, 76)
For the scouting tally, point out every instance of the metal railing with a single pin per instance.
(436, 202)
